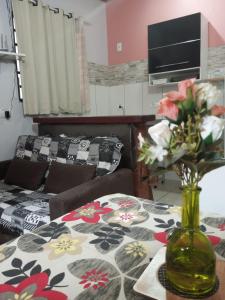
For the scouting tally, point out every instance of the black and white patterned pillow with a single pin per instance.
(104, 152)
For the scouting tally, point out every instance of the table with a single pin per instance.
(95, 252)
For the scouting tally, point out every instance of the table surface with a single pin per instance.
(96, 252)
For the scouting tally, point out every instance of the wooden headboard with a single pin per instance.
(126, 128)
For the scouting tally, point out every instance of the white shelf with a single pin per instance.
(11, 55)
(216, 79)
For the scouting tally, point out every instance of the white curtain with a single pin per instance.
(54, 72)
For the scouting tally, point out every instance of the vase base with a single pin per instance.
(167, 285)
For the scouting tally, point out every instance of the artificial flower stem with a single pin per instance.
(190, 212)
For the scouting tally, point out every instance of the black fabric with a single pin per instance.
(26, 174)
(103, 152)
(21, 210)
(62, 177)
(4, 165)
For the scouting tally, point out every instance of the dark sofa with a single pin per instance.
(120, 181)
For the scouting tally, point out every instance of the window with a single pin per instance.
(20, 92)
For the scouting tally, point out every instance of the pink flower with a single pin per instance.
(184, 85)
(168, 109)
(218, 110)
(175, 96)
(181, 95)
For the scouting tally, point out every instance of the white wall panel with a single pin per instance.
(102, 100)
(116, 99)
(151, 97)
(133, 99)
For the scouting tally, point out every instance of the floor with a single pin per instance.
(168, 192)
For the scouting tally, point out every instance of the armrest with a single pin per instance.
(120, 181)
(4, 165)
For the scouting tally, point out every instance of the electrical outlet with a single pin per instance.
(119, 47)
(7, 114)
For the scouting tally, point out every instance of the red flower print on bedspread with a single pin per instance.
(95, 279)
(89, 213)
(30, 288)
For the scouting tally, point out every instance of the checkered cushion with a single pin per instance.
(22, 210)
(104, 152)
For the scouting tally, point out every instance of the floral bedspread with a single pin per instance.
(95, 252)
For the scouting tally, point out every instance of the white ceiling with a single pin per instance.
(78, 7)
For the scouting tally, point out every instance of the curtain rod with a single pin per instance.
(56, 10)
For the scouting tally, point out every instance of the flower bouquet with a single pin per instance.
(188, 141)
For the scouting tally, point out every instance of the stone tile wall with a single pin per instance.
(216, 61)
(98, 74)
(137, 71)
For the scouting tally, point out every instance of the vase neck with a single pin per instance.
(190, 209)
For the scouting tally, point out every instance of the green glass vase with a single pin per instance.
(190, 257)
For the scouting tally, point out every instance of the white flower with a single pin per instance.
(212, 125)
(161, 133)
(157, 152)
(141, 140)
(206, 92)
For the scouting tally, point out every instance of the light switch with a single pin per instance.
(119, 47)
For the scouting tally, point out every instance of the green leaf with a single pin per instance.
(209, 139)
(57, 279)
(188, 105)
(36, 270)
(12, 273)
(29, 265)
(16, 280)
(207, 166)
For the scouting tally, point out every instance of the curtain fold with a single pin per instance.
(54, 72)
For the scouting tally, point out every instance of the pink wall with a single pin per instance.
(127, 22)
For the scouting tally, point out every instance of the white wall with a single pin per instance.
(17, 124)
(96, 36)
(94, 13)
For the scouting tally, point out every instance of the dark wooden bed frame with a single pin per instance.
(124, 127)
